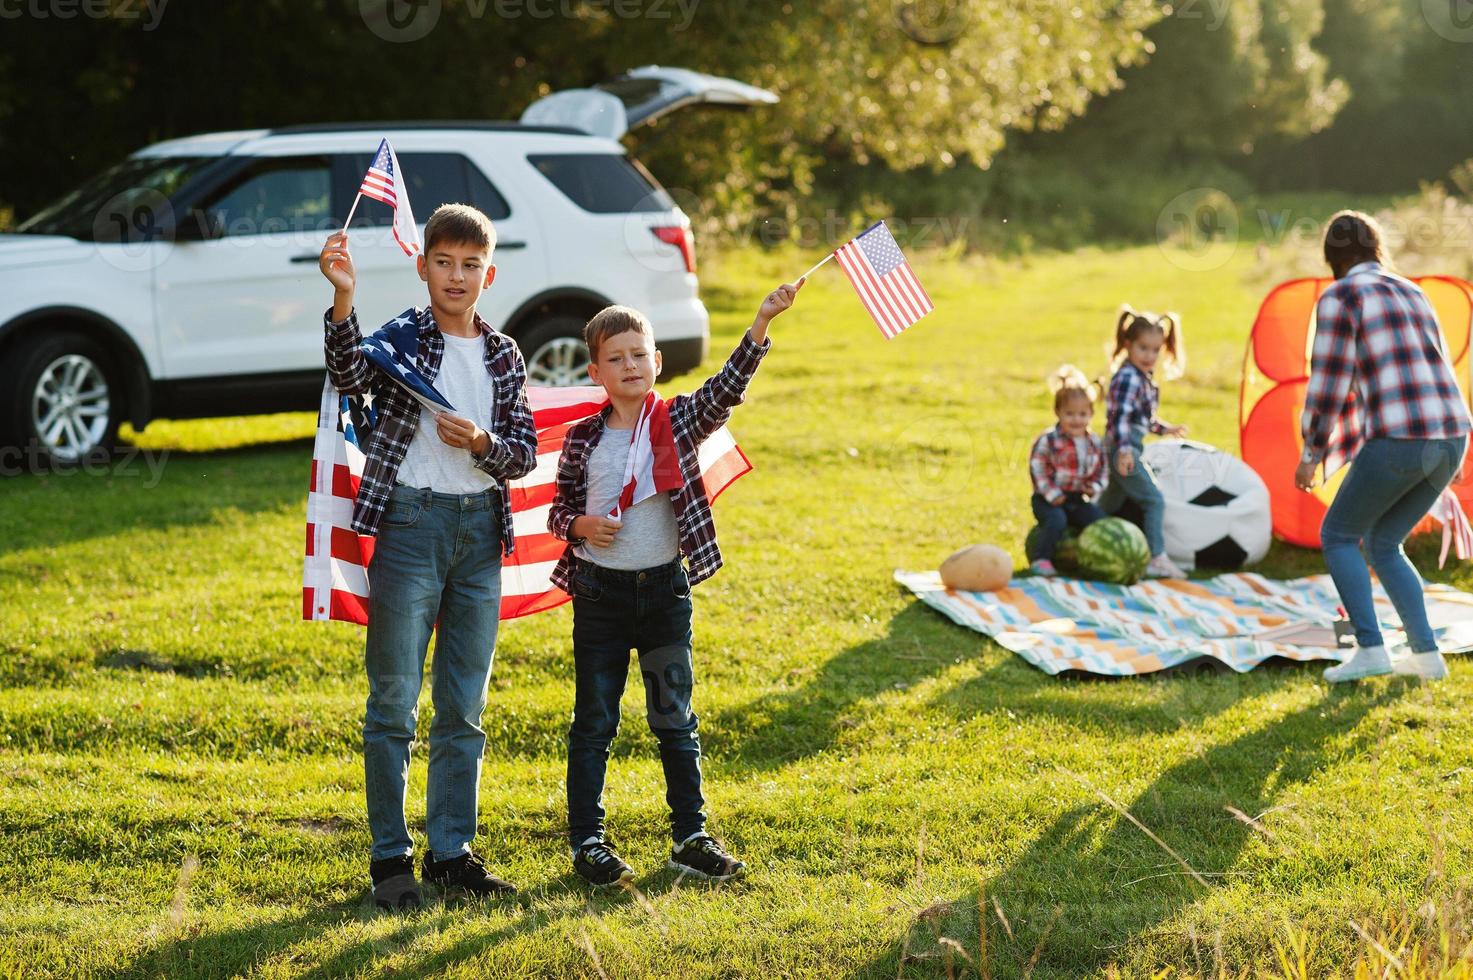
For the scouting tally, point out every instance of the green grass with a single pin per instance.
(181, 791)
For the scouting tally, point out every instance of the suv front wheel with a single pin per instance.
(66, 404)
(555, 352)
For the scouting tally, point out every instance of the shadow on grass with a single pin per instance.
(233, 952)
(167, 489)
(1093, 882)
(775, 729)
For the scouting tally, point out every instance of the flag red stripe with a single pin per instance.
(871, 304)
(900, 278)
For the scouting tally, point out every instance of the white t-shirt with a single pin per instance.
(428, 462)
(648, 535)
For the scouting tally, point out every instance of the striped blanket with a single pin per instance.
(1231, 622)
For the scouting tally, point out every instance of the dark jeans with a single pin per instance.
(1053, 521)
(613, 612)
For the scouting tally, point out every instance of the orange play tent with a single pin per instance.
(1275, 376)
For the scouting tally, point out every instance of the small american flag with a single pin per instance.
(384, 183)
(335, 571)
(886, 284)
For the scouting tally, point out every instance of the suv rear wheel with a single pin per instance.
(66, 403)
(555, 353)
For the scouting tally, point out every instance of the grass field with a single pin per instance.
(181, 789)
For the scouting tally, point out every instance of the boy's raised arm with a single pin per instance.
(346, 366)
(726, 389)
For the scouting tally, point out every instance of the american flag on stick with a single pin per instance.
(886, 284)
(384, 182)
(335, 570)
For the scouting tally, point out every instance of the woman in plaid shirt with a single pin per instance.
(1067, 464)
(1381, 393)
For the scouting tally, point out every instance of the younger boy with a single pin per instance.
(630, 586)
(434, 492)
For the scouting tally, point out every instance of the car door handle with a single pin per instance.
(510, 246)
(309, 257)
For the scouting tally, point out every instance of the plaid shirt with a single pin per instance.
(1132, 403)
(1057, 469)
(513, 450)
(1379, 369)
(693, 418)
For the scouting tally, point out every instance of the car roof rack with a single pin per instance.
(423, 124)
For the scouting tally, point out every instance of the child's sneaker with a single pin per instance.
(467, 873)
(1367, 662)
(1043, 568)
(1162, 566)
(701, 856)
(394, 887)
(598, 865)
(1427, 666)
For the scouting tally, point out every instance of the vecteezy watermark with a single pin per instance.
(1450, 19)
(153, 10)
(1214, 12)
(933, 23)
(126, 463)
(1198, 230)
(404, 21)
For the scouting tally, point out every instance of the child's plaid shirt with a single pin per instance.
(1057, 469)
(1132, 401)
(512, 453)
(1379, 369)
(693, 418)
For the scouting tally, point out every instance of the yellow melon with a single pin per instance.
(977, 568)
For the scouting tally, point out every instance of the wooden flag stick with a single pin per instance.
(352, 211)
(815, 268)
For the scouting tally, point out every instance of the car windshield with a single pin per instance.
(117, 203)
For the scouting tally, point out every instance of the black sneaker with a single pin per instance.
(702, 857)
(600, 866)
(467, 873)
(394, 887)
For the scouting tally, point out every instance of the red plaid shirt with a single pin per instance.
(1057, 470)
(693, 418)
(512, 452)
(1379, 369)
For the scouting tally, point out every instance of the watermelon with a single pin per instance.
(1066, 555)
(1113, 550)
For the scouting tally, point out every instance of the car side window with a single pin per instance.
(272, 196)
(433, 179)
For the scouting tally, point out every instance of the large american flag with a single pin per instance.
(886, 284)
(384, 182)
(335, 571)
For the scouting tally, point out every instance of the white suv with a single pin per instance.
(183, 282)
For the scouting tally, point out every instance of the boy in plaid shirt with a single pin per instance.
(1067, 464)
(434, 493)
(630, 584)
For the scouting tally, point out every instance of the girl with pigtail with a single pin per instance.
(1142, 342)
(1067, 464)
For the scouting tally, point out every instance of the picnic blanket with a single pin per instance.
(1233, 622)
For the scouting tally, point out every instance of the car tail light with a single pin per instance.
(682, 239)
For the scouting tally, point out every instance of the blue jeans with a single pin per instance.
(1391, 486)
(1054, 520)
(613, 612)
(1141, 487)
(437, 557)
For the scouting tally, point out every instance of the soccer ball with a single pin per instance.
(1217, 507)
